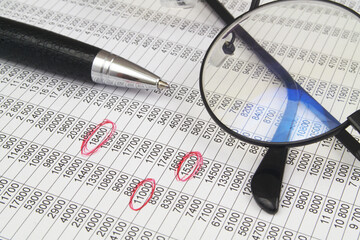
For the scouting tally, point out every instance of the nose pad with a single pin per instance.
(220, 54)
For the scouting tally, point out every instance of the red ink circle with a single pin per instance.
(153, 184)
(195, 168)
(84, 150)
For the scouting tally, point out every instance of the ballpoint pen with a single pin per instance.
(59, 54)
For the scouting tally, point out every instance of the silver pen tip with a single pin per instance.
(162, 85)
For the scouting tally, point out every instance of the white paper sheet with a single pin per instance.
(48, 190)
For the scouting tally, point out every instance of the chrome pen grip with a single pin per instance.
(110, 69)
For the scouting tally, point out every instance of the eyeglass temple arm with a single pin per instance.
(354, 120)
(348, 140)
(221, 11)
(224, 13)
(267, 180)
(254, 4)
(269, 199)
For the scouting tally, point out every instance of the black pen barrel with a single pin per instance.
(49, 51)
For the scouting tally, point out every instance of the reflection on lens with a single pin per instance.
(316, 42)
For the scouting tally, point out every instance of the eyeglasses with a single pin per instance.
(284, 74)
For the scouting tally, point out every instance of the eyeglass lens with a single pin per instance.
(316, 42)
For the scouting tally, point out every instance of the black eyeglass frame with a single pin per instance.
(340, 131)
(266, 182)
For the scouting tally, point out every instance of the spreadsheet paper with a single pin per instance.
(49, 190)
